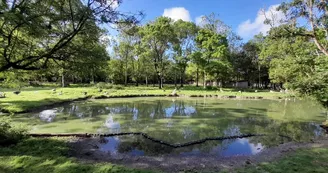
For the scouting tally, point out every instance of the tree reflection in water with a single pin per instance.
(183, 120)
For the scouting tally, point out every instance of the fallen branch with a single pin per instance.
(178, 145)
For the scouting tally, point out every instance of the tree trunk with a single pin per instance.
(259, 76)
(181, 78)
(159, 80)
(175, 78)
(314, 28)
(126, 75)
(154, 80)
(146, 81)
(63, 80)
(93, 77)
(197, 77)
(204, 80)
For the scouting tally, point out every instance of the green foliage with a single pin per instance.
(295, 62)
(55, 24)
(213, 48)
(213, 45)
(156, 39)
(10, 134)
(184, 46)
(15, 80)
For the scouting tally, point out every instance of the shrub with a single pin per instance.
(103, 85)
(211, 88)
(10, 134)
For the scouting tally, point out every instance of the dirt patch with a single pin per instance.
(87, 150)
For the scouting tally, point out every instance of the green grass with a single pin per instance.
(41, 155)
(302, 161)
(34, 97)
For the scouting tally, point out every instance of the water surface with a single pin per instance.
(179, 120)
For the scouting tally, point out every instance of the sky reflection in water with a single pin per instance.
(184, 120)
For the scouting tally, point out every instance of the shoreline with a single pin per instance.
(84, 150)
(216, 96)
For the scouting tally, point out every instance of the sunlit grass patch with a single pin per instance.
(40, 155)
(34, 97)
(302, 161)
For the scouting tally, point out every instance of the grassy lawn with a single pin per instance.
(302, 161)
(34, 97)
(47, 156)
(39, 155)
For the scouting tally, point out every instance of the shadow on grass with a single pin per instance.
(40, 155)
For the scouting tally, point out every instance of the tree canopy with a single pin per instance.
(65, 40)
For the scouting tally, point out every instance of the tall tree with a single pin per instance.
(213, 47)
(125, 52)
(315, 12)
(199, 64)
(185, 45)
(33, 32)
(157, 38)
(296, 62)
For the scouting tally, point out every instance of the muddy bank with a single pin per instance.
(87, 150)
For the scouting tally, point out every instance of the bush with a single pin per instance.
(211, 88)
(103, 85)
(10, 134)
(118, 87)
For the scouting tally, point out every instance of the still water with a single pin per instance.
(179, 120)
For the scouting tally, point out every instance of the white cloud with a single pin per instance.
(248, 29)
(199, 19)
(109, 41)
(113, 3)
(177, 13)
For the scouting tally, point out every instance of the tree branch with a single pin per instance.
(311, 20)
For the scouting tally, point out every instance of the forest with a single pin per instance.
(66, 42)
(69, 67)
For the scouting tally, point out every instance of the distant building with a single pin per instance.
(241, 84)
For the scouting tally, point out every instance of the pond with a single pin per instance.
(180, 120)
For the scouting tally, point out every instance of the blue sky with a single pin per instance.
(242, 15)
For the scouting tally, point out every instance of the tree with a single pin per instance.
(85, 56)
(124, 51)
(184, 47)
(199, 63)
(296, 62)
(213, 47)
(115, 67)
(156, 39)
(214, 23)
(145, 64)
(246, 62)
(33, 32)
(316, 14)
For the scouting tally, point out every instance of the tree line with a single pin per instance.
(65, 41)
